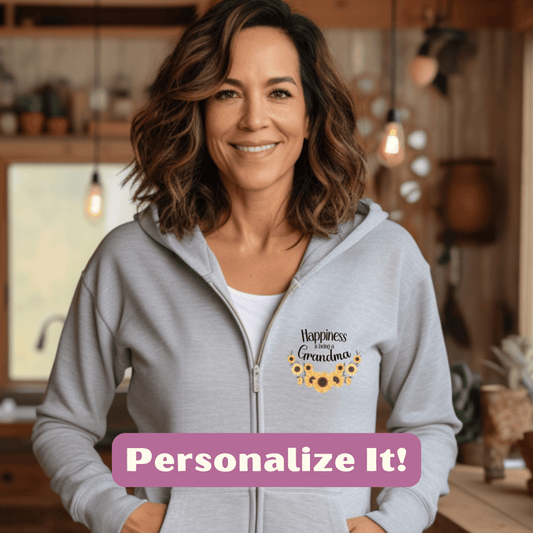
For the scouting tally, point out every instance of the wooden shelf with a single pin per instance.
(129, 32)
(469, 15)
(63, 148)
(76, 18)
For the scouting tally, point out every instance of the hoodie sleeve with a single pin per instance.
(72, 419)
(415, 380)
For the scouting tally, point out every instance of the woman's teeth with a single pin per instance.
(255, 148)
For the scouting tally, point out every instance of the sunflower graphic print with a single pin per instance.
(324, 381)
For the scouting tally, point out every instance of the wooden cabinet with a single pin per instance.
(27, 503)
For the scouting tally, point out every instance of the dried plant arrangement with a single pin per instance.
(516, 358)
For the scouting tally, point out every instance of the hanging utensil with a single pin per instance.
(453, 323)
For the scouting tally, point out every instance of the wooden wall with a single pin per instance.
(481, 118)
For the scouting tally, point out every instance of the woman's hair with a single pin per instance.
(171, 162)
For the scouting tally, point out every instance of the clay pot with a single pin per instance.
(506, 415)
(526, 449)
(57, 125)
(31, 122)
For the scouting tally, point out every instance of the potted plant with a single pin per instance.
(466, 403)
(55, 110)
(507, 411)
(31, 116)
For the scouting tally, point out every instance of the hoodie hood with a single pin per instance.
(195, 252)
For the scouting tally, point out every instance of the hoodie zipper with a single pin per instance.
(255, 370)
(260, 354)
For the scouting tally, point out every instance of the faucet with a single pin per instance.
(47, 322)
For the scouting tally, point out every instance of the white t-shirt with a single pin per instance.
(256, 311)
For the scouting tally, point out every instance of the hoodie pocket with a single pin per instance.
(290, 510)
(199, 510)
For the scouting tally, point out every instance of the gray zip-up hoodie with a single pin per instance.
(161, 306)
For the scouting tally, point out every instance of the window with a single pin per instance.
(50, 241)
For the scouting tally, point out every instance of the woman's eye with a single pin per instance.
(281, 93)
(225, 95)
(228, 94)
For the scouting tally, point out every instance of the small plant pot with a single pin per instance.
(57, 125)
(526, 449)
(31, 122)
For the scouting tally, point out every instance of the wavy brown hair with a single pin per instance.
(171, 164)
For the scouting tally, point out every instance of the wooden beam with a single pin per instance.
(84, 32)
(107, 3)
(522, 15)
(469, 15)
(472, 14)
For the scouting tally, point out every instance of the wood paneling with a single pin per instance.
(481, 118)
(522, 18)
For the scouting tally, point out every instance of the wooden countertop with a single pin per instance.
(473, 506)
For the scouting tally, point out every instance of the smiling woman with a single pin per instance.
(248, 74)
(257, 279)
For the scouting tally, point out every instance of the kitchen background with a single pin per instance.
(478, 119)
(463, 155)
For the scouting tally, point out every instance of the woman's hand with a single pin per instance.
(147, 518)
(362, 524)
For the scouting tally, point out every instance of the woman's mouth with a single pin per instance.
(261, 149)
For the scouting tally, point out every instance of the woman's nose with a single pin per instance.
(254, 114)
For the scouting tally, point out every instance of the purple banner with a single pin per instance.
(266, 460)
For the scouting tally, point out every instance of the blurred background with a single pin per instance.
(444, 94)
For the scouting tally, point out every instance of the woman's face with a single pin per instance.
(256, 122)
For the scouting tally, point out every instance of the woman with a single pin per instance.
(257, 292)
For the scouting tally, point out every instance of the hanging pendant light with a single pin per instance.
(391, 150)
(93, 201)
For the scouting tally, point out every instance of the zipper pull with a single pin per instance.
(256, 378)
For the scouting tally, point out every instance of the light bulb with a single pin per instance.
(423, 70)
(93, 201)
(391, 150)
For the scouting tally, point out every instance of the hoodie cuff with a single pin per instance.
(106, 511)
(401, 511)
